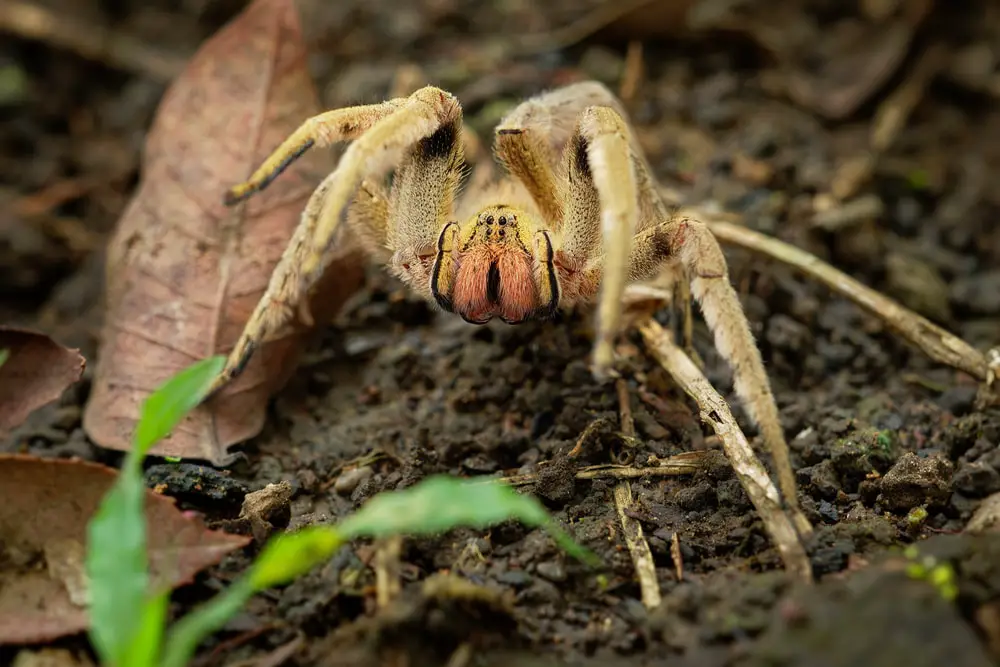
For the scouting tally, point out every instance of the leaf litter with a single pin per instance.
(34, 372)
(184, 271)
(42, 575)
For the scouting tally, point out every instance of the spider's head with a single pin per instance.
(496, 265)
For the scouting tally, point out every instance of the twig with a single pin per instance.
(628, 89)
(638, 548)
(586, 436)
(461, 656)
(750, 471)
(675, 555)
(936, 343)
(94, 42)
(682, 464)
(387, 584)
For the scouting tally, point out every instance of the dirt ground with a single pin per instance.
(411, 392)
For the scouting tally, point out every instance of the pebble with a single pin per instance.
(552, 570)
(977, 479)
(350, 479)
(916, 480)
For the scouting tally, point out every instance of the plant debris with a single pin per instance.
(35, 371)
(44, 509)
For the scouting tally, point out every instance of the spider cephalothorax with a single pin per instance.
(575, 218)
(496, 265)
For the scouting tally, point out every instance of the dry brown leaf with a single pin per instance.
(37, 371)
(45, 505)
(184, 271)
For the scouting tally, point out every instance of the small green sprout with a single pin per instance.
(116, 562)
(927, 568)
(128, 624)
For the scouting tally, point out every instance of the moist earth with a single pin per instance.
(890, 449)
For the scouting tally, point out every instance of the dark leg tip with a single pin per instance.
(233, 196)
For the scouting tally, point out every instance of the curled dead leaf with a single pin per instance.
(45, 505)
(35, 372)
(184, 271)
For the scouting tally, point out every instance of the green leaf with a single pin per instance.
(434, 505)
(4, 356)
(144, 651)
(116, 562)
(441, 503)
(187, 633)
(175, 398)
(283, 559)
(293, 554)
(117, 569)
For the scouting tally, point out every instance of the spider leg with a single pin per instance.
(601, 148)
(368, 219)
(421, 205)
(380, 132)
(692, 244)
(320, 131)
(533, 138)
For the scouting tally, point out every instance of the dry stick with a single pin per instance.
(681, 464)
(932, 339)
(628, 89)
(750, 471)
(93, 42)
(638, 548)
(387, 583)
(675, 554)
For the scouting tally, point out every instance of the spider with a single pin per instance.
(576, 217)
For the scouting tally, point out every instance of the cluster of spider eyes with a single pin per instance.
(502, 221)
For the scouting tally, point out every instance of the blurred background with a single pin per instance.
(864, 131)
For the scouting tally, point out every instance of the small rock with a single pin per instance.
(540, 592)
(831, 558)
(958, 400)
(349, 480)
(822, 478)
(827, 512)
(195, 483)
(552, 570)
(516, 578)
(869, 489)
(556, 481)
(915, 480)
(697, 497)
(987, 516)
(730, 493)
(977, 479)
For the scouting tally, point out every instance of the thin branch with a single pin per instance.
(638, 548)
(387, 564)
(675, 554)
(936, 343)
(750, 471)
(682, 464)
